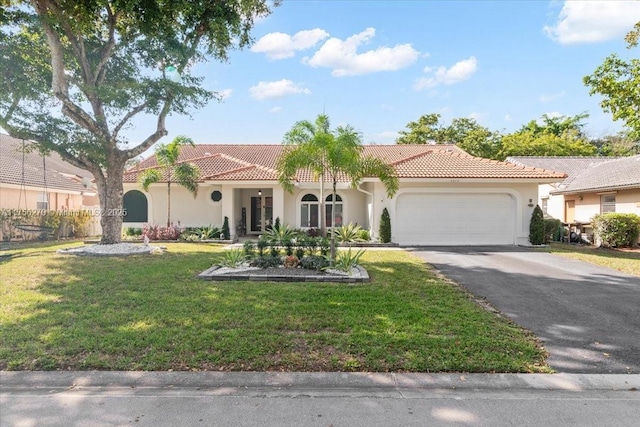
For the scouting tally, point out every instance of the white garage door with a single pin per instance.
(455, 219)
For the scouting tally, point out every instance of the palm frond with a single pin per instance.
(148, 177)
(188, 176)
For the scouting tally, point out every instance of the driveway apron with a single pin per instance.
(588, 317)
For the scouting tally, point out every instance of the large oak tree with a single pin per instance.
(74, 74)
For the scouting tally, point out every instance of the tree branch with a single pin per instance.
(128, 116)
(154, 137)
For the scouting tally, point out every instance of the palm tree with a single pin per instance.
(331, 154)
(185, 174)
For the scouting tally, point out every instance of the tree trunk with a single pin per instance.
(333, 223)
(168, 203)
(111, 212)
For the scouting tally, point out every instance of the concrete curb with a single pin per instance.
(16, 380)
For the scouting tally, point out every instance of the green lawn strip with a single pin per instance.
(624, 261)
(151, 313)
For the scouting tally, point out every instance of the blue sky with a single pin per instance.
(379, 64)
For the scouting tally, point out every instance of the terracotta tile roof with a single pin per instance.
(222, 162)
(59, 174)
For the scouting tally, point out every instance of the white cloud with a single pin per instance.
(508, 118)
(460, 71)
(343, 57)
(277, 89)
(593, 21)
(225, 94)
(275, 110)
(281, 45)
(477, 116)
(547, 97)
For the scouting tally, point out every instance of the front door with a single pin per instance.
(261, 213)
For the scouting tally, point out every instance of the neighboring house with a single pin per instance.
(30, 182)
(594, 185)
(446, 196)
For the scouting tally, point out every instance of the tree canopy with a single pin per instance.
(75, 74)
(618, 81)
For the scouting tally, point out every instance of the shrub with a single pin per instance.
(536, 227)
(276, 225)
(617, 230)
(156, 232)
(291, 261)
(233, 258)
(313, 232)
(552, 230)
(225, 229)
(364, 235)
(133, 231)
(314, 262)
(310, 244)
(282, 234)
(266, 262)
(324, 246)
(348, 233)
(346, 260)
(385, 227)
(249, 249)
(262, 245)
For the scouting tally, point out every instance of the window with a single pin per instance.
(607, 203)
(329, 207)
(309, 211)
(545, 204)
(216, 196)
(43, 201)
(134, 204)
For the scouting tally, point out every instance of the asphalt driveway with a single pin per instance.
(588, 317)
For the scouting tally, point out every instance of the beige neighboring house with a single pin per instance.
(29, 182)
(446, 196)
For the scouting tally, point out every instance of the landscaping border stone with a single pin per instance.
(359, 276)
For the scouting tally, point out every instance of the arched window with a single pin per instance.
(135, 206)
(328, 210)
(309, 211)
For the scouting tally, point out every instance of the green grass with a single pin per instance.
(151, 313)
(621, 260)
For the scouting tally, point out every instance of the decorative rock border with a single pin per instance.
(358, 276)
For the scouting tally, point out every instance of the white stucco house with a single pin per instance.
(446, 196)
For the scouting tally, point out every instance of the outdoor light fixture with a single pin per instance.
(259, 192)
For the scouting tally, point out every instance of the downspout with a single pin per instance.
(373, 209)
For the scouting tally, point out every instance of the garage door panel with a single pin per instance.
(455, 219)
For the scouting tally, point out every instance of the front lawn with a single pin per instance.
(626, 261)
(151, 313)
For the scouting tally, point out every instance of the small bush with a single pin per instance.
(262, 245)
(348, 233)
(536, 227)
(156, 232)
(324, 246)
(617, 230)
(266, 262)
(291, 261)
(385, 227)
(282, 234)
(346, 260)
(276, 225)
(249, 249)
(552, 229)
(364, 235)
(313, 232)
(233, 258)
(314, 262)
(133, 231)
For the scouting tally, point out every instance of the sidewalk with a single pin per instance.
(316, 399)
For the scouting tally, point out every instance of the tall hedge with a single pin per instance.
(617, 230)
(536, 227)
(385, 227)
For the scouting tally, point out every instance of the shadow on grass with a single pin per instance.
(152, 313)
